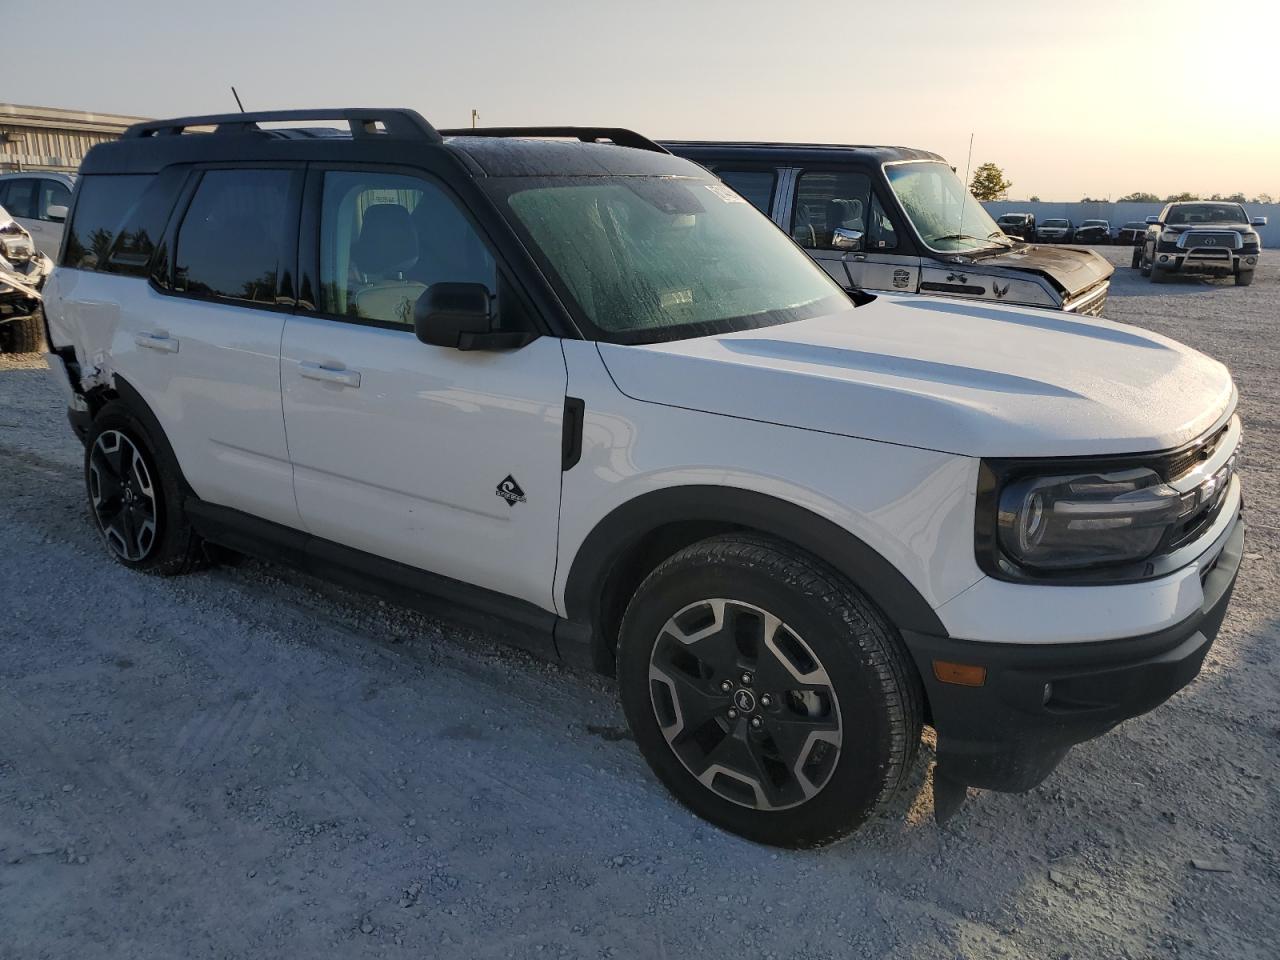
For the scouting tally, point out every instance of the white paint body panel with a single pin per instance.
(407, 465)
(217, 396)
(979, 380)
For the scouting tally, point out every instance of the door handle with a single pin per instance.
(859, 257)
(159, 340)
(339, 375)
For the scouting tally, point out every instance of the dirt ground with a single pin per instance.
(250, 763)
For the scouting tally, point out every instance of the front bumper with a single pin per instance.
(1205, 260)
(1039, 700)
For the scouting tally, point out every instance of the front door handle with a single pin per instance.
(330, 374)
(157, 340)
(859, 257)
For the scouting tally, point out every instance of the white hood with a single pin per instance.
(978, 380)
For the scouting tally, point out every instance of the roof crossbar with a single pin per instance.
(363, 122)
(617, 135)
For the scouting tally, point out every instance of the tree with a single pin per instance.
(1180, 197)
(1237, 197)
(988, 183)
(1263, 198)
(1140, 196)
(1035, 198)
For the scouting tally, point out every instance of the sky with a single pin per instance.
(1070, 97)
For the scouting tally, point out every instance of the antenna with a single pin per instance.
(237, 96)
(475, 115)
(965, 196)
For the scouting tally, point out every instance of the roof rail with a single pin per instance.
(364, 122)
(618, 135)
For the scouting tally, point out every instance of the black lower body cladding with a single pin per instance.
(1038, 701)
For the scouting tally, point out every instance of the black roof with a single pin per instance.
(383, 135)
(707, 151)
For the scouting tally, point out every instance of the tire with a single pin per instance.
(1244, 278)
(1158, 275)
(766, 620)
(22, 335)
(1136, 261)
(1144, 267)
(134, 496)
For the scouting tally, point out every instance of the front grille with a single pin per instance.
(1221, 239)
(1091, 308)
(1179, 462)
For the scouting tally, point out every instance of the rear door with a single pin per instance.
(443, 459)
(833, 208)
(201, 342)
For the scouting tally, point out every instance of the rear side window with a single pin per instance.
(232, 240)
(19, 198)
(754, 186)
(827, 201)
(102, 207)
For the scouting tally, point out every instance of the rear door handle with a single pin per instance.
(158, 340)
(340, 375)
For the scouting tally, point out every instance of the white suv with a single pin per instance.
(580, 389)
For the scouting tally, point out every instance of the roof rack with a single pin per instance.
(617, 135)
(363, 122)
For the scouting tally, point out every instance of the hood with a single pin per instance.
(1241, 228)
(1072, 271)
(977, 380)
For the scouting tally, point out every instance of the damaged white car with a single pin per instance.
(22, 275)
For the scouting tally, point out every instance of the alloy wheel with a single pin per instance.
(745, 704)
(123, 495)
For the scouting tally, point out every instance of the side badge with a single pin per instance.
(999, 290)
(901, 278)
(510, 491)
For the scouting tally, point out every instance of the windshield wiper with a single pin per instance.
(959, 236)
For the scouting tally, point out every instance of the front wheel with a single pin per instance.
(1136, 261)
(1244, 278)
(767, 693)
(22, 334)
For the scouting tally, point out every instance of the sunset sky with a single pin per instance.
(1071, 98)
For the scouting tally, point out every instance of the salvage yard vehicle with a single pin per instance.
(1020, 225)
(1093, 231)
(566, 383)
(900, 221)
(38, 200)
(22, 275)
(1196, 237)
(1055, 230)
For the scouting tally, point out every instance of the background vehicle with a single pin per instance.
(39, 201)
(22, 275)
(1200, 237)
(899, 220)
(1093, 231)
(1131, 233)
(1055, 230)
(585, 393)
(1020, 225)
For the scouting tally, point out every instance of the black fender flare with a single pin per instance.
(127, 394)
(627, 524)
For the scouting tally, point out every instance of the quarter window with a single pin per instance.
(385, 238)
(232, 240)
(754, 186)
(102, 208)
(50, 193)
(826, 201)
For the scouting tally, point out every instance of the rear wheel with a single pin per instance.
(768, 694)
(135, 498)
(23, 335)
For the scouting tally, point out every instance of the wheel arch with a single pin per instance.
(628, 543)
(122, 391)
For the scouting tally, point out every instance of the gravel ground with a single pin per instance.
(247, 762)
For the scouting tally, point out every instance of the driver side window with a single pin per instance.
(827, 201)
(385, 238)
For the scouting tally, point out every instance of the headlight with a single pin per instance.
(1070, 522)
(1169, 236)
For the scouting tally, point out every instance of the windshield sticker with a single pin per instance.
(724, 193)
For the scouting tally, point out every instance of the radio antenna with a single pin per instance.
(965, 196)
(237, 96)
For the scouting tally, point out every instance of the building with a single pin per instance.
(48, 138)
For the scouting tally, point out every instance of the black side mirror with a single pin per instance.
(460, 316)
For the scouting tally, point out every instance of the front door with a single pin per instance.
(839, 219)
(446, 460)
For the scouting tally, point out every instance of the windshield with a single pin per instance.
(1208, 213)
(1012, 218)
(945, 215)
(664, 258)
(1094, 223)
(1054, 223)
